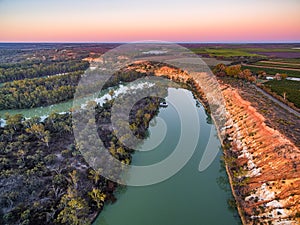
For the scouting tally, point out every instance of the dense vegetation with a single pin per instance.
(235, 71)
(286, 88)
(30, 93)
(19, 71)
(45, 180)
(36, 92)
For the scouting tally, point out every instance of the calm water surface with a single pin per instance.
(187, 198)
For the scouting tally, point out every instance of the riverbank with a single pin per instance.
(261, 162)
(266, 185)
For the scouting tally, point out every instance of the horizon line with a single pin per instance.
(149, 41)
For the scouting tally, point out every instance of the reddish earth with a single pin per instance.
(270, 162)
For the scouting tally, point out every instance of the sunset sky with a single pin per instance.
(136, 20)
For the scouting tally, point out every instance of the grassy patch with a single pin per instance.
(278, 65)
(229, 52)
(291, 88)
(237, 52)
(287, 60)
(223, 52)
(272, 71)
(269, 50)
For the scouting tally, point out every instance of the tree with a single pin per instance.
(74, 209)
(14, 121)
(252, 79)
(219, 70)
(284, 76)
(247, 74)
(233, 71)
(98, 197)
(39, 131)
(95, 175)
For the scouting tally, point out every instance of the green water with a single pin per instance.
(67, 105)
(40, 111)
(187, 198)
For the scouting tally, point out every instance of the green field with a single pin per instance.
(291, 88)
(272, 71)
(287, 60)
(278, 65)
(223, 52)
(237, 52)
(269, 50)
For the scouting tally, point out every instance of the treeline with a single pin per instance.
(29, 93)
(10, 72)
(234, 71)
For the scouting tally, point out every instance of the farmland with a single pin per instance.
(291, 88)
(272, 71)
(223, 52)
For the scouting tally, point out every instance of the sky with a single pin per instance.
(139, 20)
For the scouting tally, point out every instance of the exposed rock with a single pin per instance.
(271, 164)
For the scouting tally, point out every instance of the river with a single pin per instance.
(190, 197)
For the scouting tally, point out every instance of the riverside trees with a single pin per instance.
(12, 72)
(44, 178)
(36, 92)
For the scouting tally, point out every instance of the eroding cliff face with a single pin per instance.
(263, 164)
(268, 165)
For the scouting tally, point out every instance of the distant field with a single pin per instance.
(292, 89)
(223, 52)
(270, 50)
(286, 55)
(237, 51)
(286, 52)
(273, 71)
(278, 64)
(287, 60)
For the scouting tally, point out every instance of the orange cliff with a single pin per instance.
(269, 164)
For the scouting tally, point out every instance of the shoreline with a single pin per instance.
(238, 206)
(202, 98)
